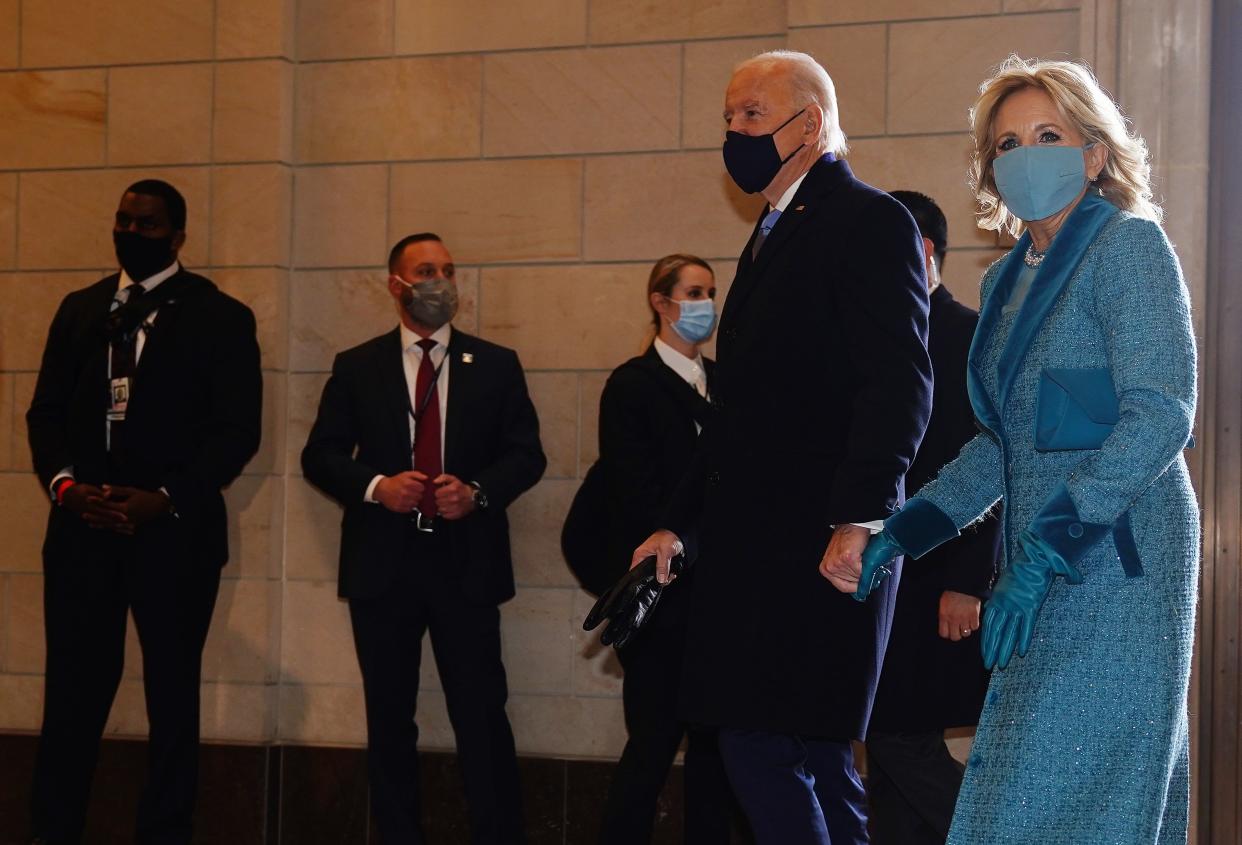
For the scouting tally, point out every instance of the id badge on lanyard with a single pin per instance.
(119, 399)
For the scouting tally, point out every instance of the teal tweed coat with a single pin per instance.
(1084, 740)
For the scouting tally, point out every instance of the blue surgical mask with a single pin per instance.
(698, 318)
(1036, 182)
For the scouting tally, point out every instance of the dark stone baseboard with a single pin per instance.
(307, 795)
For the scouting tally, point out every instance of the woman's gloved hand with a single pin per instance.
(877, 560)
(1009, 617)
(629, 603)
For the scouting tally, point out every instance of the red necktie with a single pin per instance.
(427, 428)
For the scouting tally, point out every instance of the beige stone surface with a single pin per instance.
(854, 57)
(25, 651)
(303, 404)
(964, 270)
(1040, 5)
(253, 111)
(313, 541)
(28, 301)
(646, 206)
(536, 631)
(597, 671)
(266, 291)
(239, 643)
(513, 210)
(582, 101)
(333, 310)
(590, 388)
(567, 726)
(8, 411)
(317, 646)
(339, 216)
(238, 712)
(271, 455)
(53, 118)
(165, 31)
(8, 220)
(79, 207)
(342, 29)
(22, 522)
(659, 20)
(10, 15)
(256, 514)
(23, 392)
(21, 702)
(809, 12)
(935, 165)
(556, 401)
(566, 317)
(322, 713)
(4, 623)
(160, 114)
(253, 28)
(429, 26)
(535, 522)
(928, 94)
(250, 205)
(707, 68)
(388, 109)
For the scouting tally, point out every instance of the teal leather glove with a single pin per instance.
(877, 561)
(1009, 617)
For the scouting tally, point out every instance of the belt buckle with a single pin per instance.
(426, 524)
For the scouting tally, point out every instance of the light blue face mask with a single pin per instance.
(1038, 181)
(698, 318)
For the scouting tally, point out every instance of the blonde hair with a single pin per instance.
(811, 84)
(1125, 180)
(665, 275)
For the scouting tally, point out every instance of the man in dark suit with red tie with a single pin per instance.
(425, 435)
(822, 395)
(148, 403)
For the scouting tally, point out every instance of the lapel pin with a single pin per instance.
(467, 357)
(800, 208)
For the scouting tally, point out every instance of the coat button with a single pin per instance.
(718, 403)
(730, 333)
(713, 477)
(1075, 530)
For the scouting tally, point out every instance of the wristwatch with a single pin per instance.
(480, 498)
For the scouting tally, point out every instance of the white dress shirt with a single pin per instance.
(411, 360)
(691, 370)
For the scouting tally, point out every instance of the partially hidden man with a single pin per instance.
(148, 403)
(426, 435)
(822, 395)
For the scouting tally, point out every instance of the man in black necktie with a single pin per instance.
(147, 404)
(822, 391)
(425, 435)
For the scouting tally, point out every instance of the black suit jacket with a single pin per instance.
(362, 430)
(647, 440)
(194, 417)
(823, 388)
(929, 683)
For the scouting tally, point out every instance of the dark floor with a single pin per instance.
(272, 795)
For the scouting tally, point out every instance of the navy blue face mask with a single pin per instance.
(753, 160)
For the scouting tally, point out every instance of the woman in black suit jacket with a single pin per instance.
(651, 412)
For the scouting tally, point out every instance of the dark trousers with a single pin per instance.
(796, 790)
(465, 638)
(912, 783)
(91, 580)
(652, 662)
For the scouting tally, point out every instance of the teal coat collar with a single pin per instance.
(1064, 256)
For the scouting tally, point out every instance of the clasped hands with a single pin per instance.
(114, 507)
(402, 492)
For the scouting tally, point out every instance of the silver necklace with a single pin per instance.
(1032, 258)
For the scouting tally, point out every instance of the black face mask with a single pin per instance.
(142, 257)
(753, 160)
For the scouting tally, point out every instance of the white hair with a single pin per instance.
(810, 84)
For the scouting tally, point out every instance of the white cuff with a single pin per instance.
(369, 496)
(67, 472)
(875, 526)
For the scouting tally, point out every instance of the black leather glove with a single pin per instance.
(629, 603)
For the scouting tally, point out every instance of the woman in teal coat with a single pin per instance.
(1082, 377)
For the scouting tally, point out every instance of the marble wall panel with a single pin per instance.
(535, 522)
(556, 401)
(707, 68)
(343, 29)
(536, 631)
(663, 20)
(160, 114)
(854, 57)
(53, 118)
(247, 29)
(253, 111)
(8, 220)
(250, 206)
(266, 291)
(165, 31)
(339, 216)
(429, 26)
(810, 12)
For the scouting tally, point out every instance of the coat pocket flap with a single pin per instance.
(1089, 389)
(1076, 409)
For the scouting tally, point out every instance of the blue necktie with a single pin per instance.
(765, 229)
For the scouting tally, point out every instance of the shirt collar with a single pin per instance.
(149, 283)
(787, 197)
(690, 369)
(440, 336)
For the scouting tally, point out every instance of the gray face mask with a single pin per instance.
(431, 303)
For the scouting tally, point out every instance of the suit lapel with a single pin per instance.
(462, 378)
(390, 371)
